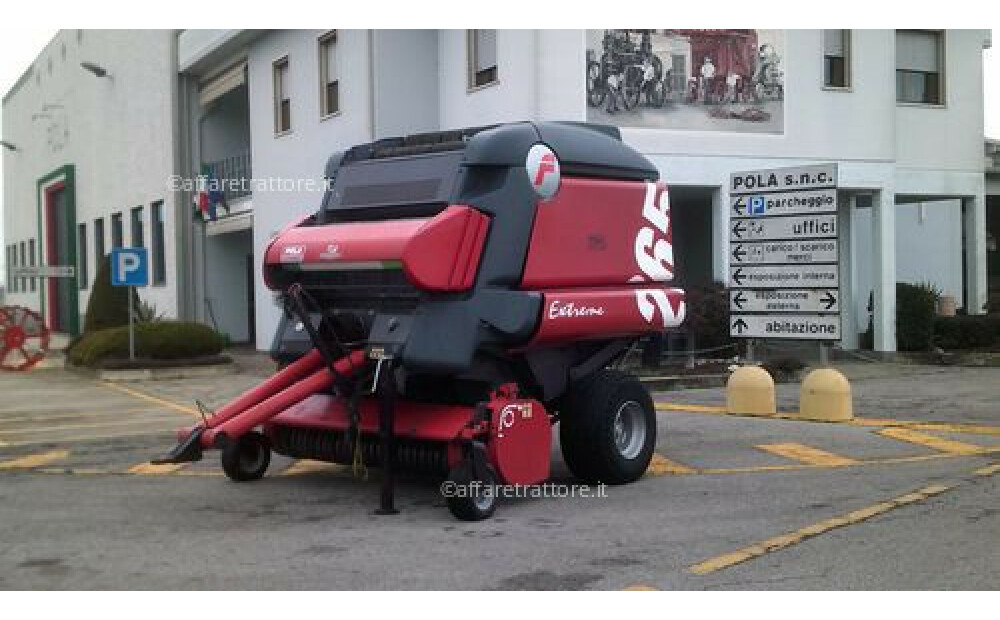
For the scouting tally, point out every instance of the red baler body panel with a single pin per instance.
(570, 315)
(601, 251)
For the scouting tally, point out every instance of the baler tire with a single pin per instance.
(471, 508)
(247, 458)
(587, 432)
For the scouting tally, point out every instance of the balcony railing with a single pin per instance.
(234, 174)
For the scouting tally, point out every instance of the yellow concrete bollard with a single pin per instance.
(826, 397)
(750, 391)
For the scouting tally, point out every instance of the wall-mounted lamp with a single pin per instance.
(8, 146)
(96, 69)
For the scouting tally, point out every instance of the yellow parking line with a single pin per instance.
(788, 539)
(639, 587)
(931, 441)
(929, 425)
(150, 398)
(807, 454)
(989, 470)
(78, 414)
(34, 460)
(70, 427)
(309, 466)
(689, 407)
(660, 465)
(149, 469)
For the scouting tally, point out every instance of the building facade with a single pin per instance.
(89, 155)
(899, 112)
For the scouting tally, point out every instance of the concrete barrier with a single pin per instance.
(750, 391)
(825, 396)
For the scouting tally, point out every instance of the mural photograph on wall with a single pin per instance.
(700, 80)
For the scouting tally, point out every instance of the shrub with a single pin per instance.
(162, 340)
(966, 332)
(916, 305)
(708, 315)
(108, 305)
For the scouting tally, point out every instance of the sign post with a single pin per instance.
(784, 251)
(130, 267)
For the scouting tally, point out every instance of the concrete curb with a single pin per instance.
(683, 382)
(156, 374)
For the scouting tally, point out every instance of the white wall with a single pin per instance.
(539, 76)
(302, 153)
(406, 85)
(226, 282)
(928, 245)
(877, 144)
(116, 131)
(950, 136)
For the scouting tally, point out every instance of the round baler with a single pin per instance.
(456, 295)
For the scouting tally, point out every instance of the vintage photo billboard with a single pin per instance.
(700, 80)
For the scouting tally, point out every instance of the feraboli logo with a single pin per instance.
(654, 256)
(543, 170)
(509, 415)
(332, 251)
(293, 253)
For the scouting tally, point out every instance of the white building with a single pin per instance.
(86, 165)
(900, 112)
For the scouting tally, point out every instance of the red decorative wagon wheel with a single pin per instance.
(24, 338)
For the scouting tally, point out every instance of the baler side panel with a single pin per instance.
(570, 315)
(588, 233)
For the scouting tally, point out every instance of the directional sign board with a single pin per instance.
(784, 251)
(807, 202)
(780, 276)
(795, 326)
(785, 300)
(763, 228)
(44, 271)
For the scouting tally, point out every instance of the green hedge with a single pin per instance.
(108, 305)
(967, 332)
(163, 340)
(916, 306)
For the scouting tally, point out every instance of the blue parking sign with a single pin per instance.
(758, 206)
(129, 267)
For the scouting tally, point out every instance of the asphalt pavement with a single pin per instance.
(903, 497)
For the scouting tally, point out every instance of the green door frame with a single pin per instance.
(67, 175)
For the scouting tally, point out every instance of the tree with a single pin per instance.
(108, 304)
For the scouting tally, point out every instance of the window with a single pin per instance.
(329, 76)
(837, 58)
(156, 230)
(99, 249)
(31, 261)
(918, 67)
(82, 276)
(482, 46)
(116, 231)
(282, 103)
(24, 263)
(11, 265)
(136, 226)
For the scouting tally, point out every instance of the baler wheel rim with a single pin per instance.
(247, 458)
(630, 429)
(467, 508)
